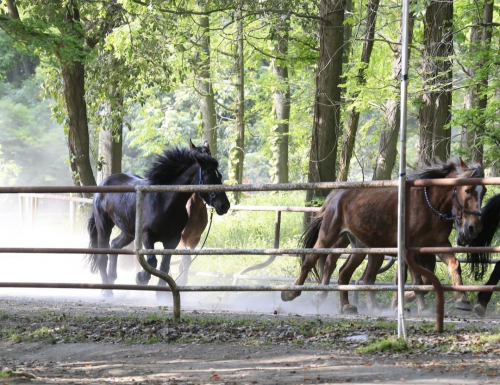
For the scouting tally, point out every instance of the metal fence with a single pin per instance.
(175, 289)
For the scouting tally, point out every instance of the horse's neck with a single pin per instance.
(441, 198)
(180, 199)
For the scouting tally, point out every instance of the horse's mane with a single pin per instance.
(174, 162)
(442, 169)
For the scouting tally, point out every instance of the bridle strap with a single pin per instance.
(211, 194)
(462, 208)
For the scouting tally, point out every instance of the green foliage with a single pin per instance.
(391, 344)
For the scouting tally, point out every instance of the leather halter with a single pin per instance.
(462, 208)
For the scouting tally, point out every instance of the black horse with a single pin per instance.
(479, 262)
(164, 214)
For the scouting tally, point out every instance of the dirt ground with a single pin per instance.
(68, 341)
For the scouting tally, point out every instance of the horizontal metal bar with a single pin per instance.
(57, 197)
(291, 209)
(246, 288)
(249, 187)
(440, 250)
(66, 250)
(452, 182)
(387, 250)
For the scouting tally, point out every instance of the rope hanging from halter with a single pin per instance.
(444, 217)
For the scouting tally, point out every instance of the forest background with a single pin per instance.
(283, 91)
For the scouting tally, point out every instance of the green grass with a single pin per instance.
(391, 344)
(491, 338)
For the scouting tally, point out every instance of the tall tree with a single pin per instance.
(204, 84)
(71, 45)
(477, 99)
(237, 155)
(327, 103)
(387, 146)
(435, 110)
(352, 125)
(281, 100)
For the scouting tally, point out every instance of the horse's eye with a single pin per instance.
(467, 191)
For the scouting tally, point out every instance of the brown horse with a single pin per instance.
(368, 217)
(190, 237)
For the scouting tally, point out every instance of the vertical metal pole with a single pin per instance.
(72, 215)
(21, 209)
(277, 226)
(402, 170)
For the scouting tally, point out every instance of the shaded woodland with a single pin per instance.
(283, 91)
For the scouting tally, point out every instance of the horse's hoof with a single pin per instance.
(141, 279)
(107, 293)
(480, 310)
(463, 304)
(289, 295)
(349, 309)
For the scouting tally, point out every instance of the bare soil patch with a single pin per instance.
(54, 341)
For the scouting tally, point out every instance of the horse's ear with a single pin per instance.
(205, 143)
(463, 165)
(191, 145)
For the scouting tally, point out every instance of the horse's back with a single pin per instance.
(123, 179)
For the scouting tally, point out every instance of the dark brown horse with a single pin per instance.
(368, 217)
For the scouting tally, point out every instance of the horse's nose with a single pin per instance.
(472, 230)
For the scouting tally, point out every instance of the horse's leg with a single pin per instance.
(375, 262)
(104, 228)
(345, 275)
(461, 301)
(308, 262)
(417, 279)
(394, 302)
(184, 266)
(143, 277)
(119, 242)
(484, 297)
(327, 265)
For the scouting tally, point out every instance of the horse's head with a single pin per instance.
(467, 202)
(209, 174)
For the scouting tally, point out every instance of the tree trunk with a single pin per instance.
(78, 131)
(203, 80)
(387, 146)
(480, 39)
(281, 104)
(237, 155)
(111, 136)
(435, 112)
(352, 128)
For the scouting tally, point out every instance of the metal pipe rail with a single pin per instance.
(247, 288)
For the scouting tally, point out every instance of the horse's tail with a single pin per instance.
(308, 239)
(490, 216)
(93, 244)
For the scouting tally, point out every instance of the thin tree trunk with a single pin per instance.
(281, 104)
(352, 127)
(480, 39)
(435, 112)
(203, 80)
(327, 103)
(111, 137)
(237, 155)
(387, 147)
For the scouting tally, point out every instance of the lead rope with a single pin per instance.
(441, 215)
(201, 248)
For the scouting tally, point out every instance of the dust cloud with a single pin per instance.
(52, 228)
